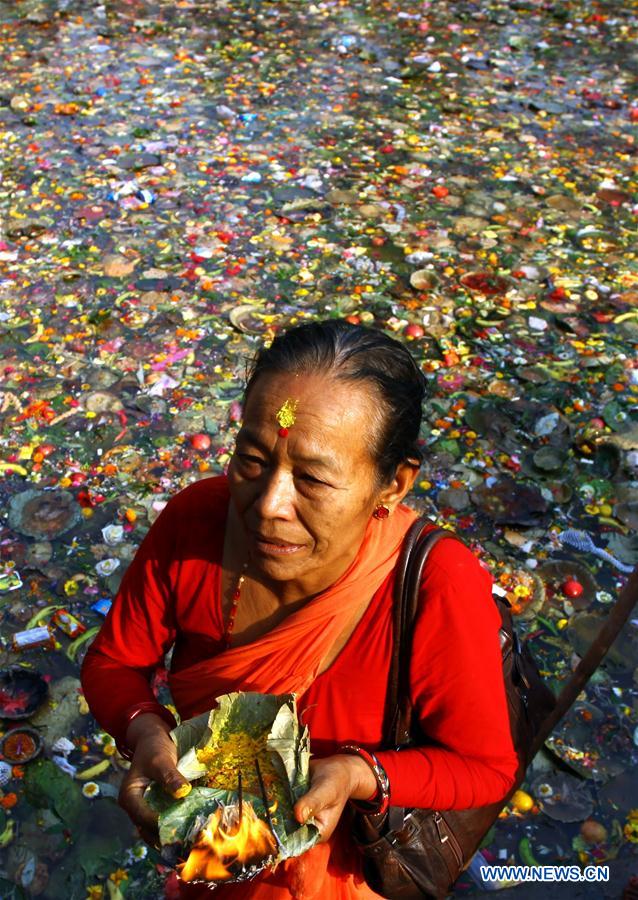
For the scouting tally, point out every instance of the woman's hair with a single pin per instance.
(358, 354)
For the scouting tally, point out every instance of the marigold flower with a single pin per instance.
(118, 876)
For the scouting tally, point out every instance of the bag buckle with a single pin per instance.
(443, 837)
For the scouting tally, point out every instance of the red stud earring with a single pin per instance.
(381, 512)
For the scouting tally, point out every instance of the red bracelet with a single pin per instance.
(148, 706)
(380, 806)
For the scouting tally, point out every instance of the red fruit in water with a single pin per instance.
(572, 588)
(46, 449)
(200, 441)
(414, 331)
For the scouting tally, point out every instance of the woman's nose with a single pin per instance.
(275, 499)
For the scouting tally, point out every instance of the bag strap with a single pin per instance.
(392, 716)
(418, 543)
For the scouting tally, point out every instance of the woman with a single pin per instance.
(279, 578)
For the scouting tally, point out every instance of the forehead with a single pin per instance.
(329, 414)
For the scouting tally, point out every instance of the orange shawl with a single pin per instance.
(289, 658)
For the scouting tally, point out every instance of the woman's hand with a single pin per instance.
(333, 781)
(154, 759)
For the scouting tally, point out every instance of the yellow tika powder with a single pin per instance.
(237, 753)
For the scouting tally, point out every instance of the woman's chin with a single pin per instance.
(280, 566)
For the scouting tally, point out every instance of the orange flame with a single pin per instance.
(227, 841)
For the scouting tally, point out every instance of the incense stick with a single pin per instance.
(264, 797)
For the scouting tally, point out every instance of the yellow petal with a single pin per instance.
(182, 791)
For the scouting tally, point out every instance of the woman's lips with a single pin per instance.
(272, 547)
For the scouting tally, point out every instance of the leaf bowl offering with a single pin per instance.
(22, 692)
(248, 764)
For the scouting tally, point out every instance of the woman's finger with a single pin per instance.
(322, 794)
(131, 799)
(160, 769)
(169, 778)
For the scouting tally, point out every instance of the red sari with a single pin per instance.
(171, 596)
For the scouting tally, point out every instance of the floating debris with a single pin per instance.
(43, 514)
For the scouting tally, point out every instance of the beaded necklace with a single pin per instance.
(233, 610)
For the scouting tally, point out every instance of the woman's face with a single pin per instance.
(305, 500)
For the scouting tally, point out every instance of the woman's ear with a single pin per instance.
(401, 484)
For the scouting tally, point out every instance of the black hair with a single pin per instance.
(359, 354)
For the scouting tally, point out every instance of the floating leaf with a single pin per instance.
(43, 514)
(559, 571)
(509, 502)
(46, 787)
(563, 797)
(549, 459)
(248, 319)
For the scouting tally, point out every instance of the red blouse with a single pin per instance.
(171, 596)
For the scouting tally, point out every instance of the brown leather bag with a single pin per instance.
(417, 853)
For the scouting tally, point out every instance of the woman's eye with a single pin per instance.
(250, 459)
(311, 479)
